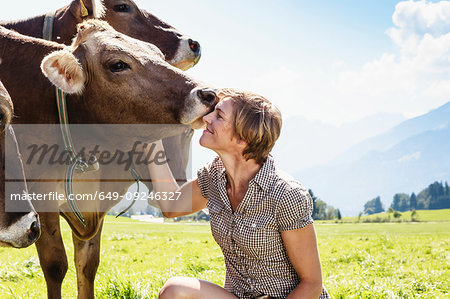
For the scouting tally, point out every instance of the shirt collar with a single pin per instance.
(220, 167)
(262, 178)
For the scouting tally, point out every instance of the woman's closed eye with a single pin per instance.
(218, 114)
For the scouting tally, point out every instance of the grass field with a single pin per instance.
(364, 260)
(421, 216)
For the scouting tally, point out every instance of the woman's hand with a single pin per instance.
(188, 197)
(160, 173)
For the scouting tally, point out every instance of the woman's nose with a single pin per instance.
(206, 118)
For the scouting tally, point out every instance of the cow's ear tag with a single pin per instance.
(84, 10)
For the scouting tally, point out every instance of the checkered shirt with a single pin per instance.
(255, 257)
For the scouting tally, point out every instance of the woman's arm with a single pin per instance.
(301, 247)
(190, 199)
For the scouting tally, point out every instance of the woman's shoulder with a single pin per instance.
(293, 203)
(209, 176)
(287, 183)
(213, 168)
(276, 178)
(288, 191)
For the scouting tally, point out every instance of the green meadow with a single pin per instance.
(359, 260)
(420, 216)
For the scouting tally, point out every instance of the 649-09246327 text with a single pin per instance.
(51, 196)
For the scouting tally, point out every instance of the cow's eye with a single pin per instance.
(119, 67)
(121, 8)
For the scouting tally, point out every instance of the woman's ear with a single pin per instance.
(241, 142)
(64, 71)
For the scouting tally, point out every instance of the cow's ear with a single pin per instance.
(98, 8)
(64, 71)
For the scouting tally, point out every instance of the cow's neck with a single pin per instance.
(64, 27)
(32, 94)
(31, 26)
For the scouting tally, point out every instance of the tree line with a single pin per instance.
(436, 196)
(322, 211)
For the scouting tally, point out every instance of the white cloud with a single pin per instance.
(282, 86)
(411, 79)
(438, 89)
(297, 92)
(338, 65)
(415, 77)
(414, 20)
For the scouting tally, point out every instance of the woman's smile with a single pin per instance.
(208, 130)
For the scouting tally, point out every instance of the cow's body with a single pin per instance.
(21, 227)
(163, 102)
(126, 17)
(179, 50)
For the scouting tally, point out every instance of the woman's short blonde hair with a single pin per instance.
(256, 121)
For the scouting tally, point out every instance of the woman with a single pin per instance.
(260, 219)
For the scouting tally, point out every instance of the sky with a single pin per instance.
(334, 61)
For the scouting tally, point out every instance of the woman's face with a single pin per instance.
(219, 132)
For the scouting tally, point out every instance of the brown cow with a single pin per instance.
(99, 65)
(124, 16)
(18, 228)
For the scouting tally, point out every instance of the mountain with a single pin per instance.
(349, 165)
(405, 159)
(435, 119)
(306, 143)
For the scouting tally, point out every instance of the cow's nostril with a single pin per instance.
(34, 232)
(194, 45)
(208, 96)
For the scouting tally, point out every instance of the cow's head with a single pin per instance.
(126, 17)
(123, 80)
(19, 222)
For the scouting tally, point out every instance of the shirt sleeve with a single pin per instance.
(204, 176)
(294, 211)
